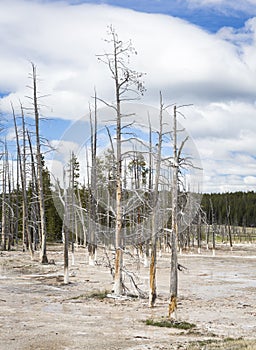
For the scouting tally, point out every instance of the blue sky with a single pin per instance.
(195, 51)
(210, 17)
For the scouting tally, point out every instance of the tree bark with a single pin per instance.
(4, 176)
(26, 237)
(94, 191)
(124, 79)
(174, 235)
(154, 203)
(65, 232)
(118, 287)
(43, 255)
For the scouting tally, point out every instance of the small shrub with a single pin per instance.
(170, 324)
(99, 294)
(225, 344)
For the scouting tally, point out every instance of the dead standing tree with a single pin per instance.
(154, 204)
(178, 222)
(127, 82)
(174, 233)
(93, 190)
(4, 196)
(43, 233)
(33, 202)
(26, 236)
(65, 231)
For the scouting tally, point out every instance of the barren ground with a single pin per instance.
(217, 294)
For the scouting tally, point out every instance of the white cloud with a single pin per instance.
(250, 180)
(247, 6)
(60, 158)
(215, 72)
(233, 119)
(179, 58)
(225, 169)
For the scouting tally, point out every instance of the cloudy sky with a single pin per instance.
(199, 52)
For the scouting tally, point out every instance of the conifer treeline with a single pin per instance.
(237, 207)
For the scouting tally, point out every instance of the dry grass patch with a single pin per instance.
(167, 323)
(225, 344)
(97, 294)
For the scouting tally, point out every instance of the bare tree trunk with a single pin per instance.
(81, 217)
(174, 235)
(118, 286)
(65, 232)
(126, 81)
(65, 245)
(199, 234)
(207, 237)
(154, 227)
(34, 205)
(147, 251)
(27, 242)
(228, 224)
(4, 206)
(72, 205)
(152, 266)
(94, 191)
(9, 204)
(17, 205)
(43, 255)
(12, 204)
(213, 229)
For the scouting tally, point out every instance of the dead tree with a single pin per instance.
(26, 237)
(154, 205)
(93, 189)
(12, 216)
(228, 223)
(43, 233)
(126, 81)
(4, 204)
(178, 222)
(214, 228)
(174, 233)
(65, 233)
(34, 218)
(71, 203)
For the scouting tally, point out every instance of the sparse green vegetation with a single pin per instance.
(98, 294)
(170, 324)
(225, 344)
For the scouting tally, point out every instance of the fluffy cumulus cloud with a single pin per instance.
(215, 72)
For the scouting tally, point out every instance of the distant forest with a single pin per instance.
(236, 209)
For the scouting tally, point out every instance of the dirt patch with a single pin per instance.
(38, 311)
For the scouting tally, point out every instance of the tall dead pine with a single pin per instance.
(93, 189)
(4, 204)
(26, 236)
(127, 82)
(154, 206)
(43, 233)
(174, 233)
